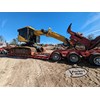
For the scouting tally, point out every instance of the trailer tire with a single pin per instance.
(95, 59)
(73, 58)
(56, 56)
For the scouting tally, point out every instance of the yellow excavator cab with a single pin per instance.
(26, 34)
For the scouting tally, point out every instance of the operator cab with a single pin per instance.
(27, 35)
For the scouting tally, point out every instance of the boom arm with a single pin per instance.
(51, 34)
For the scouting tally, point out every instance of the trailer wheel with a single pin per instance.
(3, 52)
(56, 57)
(73, 58)
(95, 60)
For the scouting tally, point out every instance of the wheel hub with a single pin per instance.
(97, 60)
(55, 57)
(74, 58)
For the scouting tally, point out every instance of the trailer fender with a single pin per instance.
(75, 53)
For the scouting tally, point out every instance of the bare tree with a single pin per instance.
(90, 37)
(14, 42)
(1, 39)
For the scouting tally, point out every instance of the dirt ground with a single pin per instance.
(16, 72)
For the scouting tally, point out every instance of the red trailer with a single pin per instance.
(71, 55)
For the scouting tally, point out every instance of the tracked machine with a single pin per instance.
(78, 46)
(30, 37)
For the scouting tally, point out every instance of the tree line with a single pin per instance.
(15, 40)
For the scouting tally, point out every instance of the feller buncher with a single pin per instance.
(72, 54)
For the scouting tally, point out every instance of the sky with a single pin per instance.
(84, 22)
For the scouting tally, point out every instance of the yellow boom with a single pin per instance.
(49, 33)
